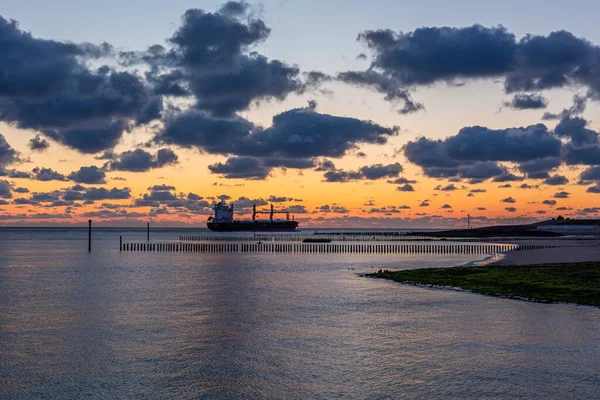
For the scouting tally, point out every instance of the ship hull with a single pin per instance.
(253, 226)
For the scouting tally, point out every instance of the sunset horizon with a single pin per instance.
(404, 125)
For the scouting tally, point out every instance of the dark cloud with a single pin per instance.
(79, 193)
(8, 155)
(211, 58)
(594, 189)
(47, 174)
(447, 188)
(510, 209)
(528, 186)
(539, 168)
(591, 174)
(334, 209)
(241, 168)
(164, 196)
(278, 199)
(6, 189)
(556, 180)
(385, 85)
(428, 55)
(402, 181)
(369, 172)
(38, 143)
(527, 101)
(562, 195)
(549, 202)
(288, 136)
(297, 209)
(48, 86)
(89, 175)
(20, 190)
(94, 194)
(140, 160)
(578, 107)
(474, 152)
(406, 188)
(574, 128)
(508, 200)
(446, 206)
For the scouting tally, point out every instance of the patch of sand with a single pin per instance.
(571, 250)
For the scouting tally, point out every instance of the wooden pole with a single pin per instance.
(90, 235)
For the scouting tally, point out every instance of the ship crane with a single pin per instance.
(254, 212)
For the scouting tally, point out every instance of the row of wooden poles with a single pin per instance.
(405, 248)
(335, 238)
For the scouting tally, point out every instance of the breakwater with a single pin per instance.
(364, 248)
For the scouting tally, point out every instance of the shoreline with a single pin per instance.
(569, 283)
(569, 274)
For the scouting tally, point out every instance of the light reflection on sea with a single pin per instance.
(188, 325)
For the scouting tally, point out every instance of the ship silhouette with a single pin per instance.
(223, 220)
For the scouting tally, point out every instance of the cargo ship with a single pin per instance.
(223, 221)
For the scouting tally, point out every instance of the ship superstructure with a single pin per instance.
(224, 221)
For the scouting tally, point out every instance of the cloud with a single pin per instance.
(591, 174)
(241, 168)
(79, 193)
(278, 199)
(368, 172)
(549, 202)
(6, 189)
(562, 195)
(49, 86)
(8, 155)
(594, 189)
(38, 144)
(446, 206)
(528, 186)
(508, 200)
(556, 180)
(447, 188)
(165, 196)
(401, 181)
(404, 61)
(47, 174)
(211, 57)
(540, 167)
(388, 86)
(474, 152)
(288, 136)
(578, 107)
(510, 209)
(526, 101)
(335, 209)
(140, 160)
(406, 188)
(89, 175)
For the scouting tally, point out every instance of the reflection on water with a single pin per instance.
(185, 325)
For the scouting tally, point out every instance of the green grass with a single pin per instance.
(577, 283)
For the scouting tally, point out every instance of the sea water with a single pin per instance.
(114, 325)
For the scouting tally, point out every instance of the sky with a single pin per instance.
(387, 114)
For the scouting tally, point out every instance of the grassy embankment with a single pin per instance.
(577, 283)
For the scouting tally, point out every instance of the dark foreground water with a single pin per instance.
(186, 326)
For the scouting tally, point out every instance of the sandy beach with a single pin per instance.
(572, 250)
